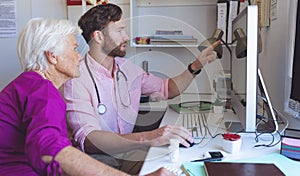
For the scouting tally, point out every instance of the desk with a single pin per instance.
(158, 156)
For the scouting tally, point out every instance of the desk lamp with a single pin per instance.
(241, 45)
(217, 35)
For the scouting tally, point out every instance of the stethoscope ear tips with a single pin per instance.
(101, 109)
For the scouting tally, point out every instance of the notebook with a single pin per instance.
(179, 109)
(241, 169)
(184, 110)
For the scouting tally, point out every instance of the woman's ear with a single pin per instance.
(51, 57)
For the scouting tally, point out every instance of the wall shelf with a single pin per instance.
(147, 16)
(161, 46)
(196, 18)
(149, 3)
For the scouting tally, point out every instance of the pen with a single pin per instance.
(207, 159)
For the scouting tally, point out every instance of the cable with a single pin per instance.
(267, 131)
(207, 130)
(271, 144)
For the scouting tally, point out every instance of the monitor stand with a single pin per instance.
(269, 124)
(266, 127)
(234, 127)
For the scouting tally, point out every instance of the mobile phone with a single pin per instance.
(211, 156)
(216, 155)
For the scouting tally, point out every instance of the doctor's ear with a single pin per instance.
(98, 35)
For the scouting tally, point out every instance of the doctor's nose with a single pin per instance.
(125, 37)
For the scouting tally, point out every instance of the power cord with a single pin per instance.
(208, 131)
(271, 144)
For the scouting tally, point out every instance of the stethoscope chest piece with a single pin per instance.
(101, 108)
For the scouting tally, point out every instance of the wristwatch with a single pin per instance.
(193, 72)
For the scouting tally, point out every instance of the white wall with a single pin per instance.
(273, 57)
(26, 9)
(277, 48)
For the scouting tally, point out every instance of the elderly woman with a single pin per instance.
(32, 112)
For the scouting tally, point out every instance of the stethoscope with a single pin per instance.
(101, 107)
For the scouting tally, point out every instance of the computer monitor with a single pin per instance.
(247, 81)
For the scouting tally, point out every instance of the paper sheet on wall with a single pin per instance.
(8, 24)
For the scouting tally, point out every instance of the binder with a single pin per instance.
(222, 8)
(232, 14)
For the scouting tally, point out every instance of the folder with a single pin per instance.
(286, 165)
(241, 169)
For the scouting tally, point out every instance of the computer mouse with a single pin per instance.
(191, 144)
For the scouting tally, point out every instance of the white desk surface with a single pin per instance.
(158, 156)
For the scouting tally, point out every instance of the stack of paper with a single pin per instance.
(175, 37)
(290, 147)
(172, 40)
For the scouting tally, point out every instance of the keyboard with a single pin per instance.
(195, 122)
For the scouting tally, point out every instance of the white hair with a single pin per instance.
(40, 35)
